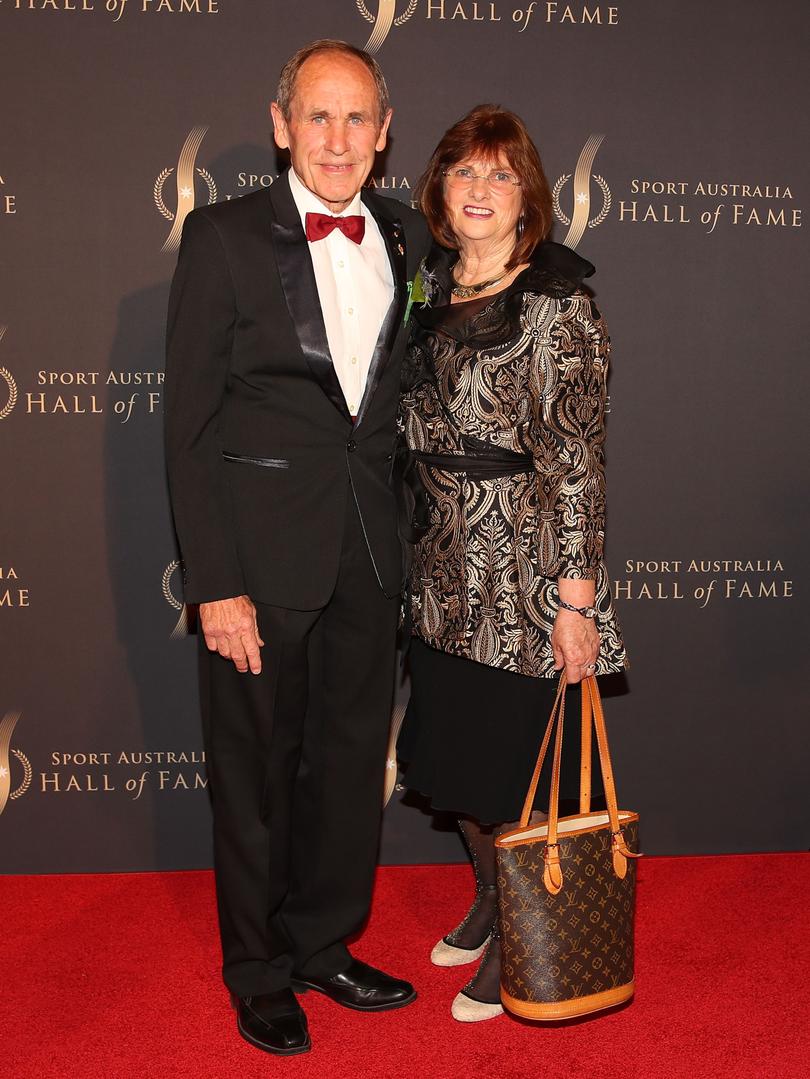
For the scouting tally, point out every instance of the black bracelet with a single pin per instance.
(586, 612)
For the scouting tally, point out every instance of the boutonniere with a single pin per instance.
(419, 290)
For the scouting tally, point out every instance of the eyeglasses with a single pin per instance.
(500, 181)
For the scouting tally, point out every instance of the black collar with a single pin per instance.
(554, 270)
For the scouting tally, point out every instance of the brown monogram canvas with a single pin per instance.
(570, 953)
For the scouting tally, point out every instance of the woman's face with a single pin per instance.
(477, 212)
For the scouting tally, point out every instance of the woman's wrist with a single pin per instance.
(576, 592)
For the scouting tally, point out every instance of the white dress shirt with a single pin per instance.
(355, 287)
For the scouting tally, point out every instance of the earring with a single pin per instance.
(521, 227)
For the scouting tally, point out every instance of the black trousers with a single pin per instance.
(296, 759)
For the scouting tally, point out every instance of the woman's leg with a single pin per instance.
(484, 986)
(473, 931)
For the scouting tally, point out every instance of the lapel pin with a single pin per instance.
(401, 249)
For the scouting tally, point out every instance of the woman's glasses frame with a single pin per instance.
(499, 180)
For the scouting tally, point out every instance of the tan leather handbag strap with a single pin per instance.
(585, 758)
(590, 687)
(552, 871)
(619, 847)
(541, 756)
(591, 714)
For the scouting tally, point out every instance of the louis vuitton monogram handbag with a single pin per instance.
(566, 889)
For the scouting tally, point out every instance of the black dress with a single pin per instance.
(472, 731)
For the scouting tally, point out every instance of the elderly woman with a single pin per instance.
(502, 410)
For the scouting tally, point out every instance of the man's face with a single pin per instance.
(334, 127)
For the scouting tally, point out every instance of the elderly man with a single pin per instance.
(285, 338)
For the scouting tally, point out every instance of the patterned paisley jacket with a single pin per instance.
(520, 378)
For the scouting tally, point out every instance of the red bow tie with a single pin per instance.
(320, 225)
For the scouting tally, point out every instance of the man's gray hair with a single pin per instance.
(289, 73)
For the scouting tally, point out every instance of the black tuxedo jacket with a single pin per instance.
(261, 450)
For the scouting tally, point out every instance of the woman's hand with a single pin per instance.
(575, 644)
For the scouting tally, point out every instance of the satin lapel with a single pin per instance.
(393, 234)
(301, 292)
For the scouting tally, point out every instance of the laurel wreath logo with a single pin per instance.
(160, 182)
(158, 193)
(9, 380)
(181, 629)
(168, 595)
(12, 392)
(27, 776)
(7, 725)
(209, 182)
(403, 18)
(558, 210)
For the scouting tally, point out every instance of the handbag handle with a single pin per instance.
(528, 804)
(585, 757)
(591, 713)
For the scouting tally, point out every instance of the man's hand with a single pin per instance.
(230, 628)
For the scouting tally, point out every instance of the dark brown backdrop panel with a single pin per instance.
(669, 133)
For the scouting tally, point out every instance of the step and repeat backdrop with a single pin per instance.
(670, 132)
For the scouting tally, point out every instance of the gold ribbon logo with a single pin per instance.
(8, 378)
(7, 725)
(181, 629)
(581, 217)
(185, 171)
(390, 785)
(385, 18)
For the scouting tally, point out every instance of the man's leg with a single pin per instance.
(254, 728)
(338, 797)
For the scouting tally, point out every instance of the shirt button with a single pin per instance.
(354, 359)
(350, 310)
(340, 264)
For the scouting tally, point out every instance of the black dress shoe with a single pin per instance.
(361, 987)
(274, 1022)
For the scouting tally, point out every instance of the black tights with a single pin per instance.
(477, 924)
(481, 920)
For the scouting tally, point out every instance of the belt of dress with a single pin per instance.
(479, 466)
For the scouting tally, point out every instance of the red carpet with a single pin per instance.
(117, 976)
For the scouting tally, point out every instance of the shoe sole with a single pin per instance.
(304, 987)
(269, 1048)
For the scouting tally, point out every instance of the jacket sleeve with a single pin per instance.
(201, 320)
(569, 392)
